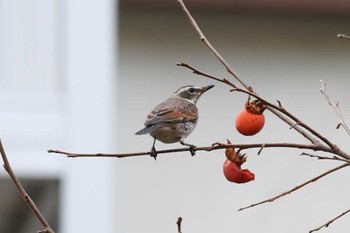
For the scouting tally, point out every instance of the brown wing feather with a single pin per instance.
(173, 110)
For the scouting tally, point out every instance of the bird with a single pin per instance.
(174, 119)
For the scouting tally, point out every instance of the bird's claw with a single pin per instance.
(154, 153)
(192, 147)
(193, 150)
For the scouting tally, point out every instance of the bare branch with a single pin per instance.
(294, 122)
(296, 188)
(336, 158)
(275, 111)
(198, 72)
(216, 146)
(23, 193)
(230, 70)
(208, 44)
(335, 106)
(330, 221)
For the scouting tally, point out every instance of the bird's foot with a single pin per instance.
(154, 153)
(153, 150)
(193, 150)
(192, 147)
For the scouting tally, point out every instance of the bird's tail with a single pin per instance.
(146, 130)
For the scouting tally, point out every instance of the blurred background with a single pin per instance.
(81, 76)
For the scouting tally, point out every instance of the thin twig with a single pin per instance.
(216, 146)
(335, 158)
(198, 72)
(23, 193)
(335, 106)
(296, 188)
(330, 221)
(178, 223)
(342, 36)
(261, 148)
(208, 44)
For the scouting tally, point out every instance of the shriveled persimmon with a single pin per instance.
(234, 173)
(232, 167)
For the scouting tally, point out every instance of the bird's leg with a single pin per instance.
(192, 147)
(153, 150)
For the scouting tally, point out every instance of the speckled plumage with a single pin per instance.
(175, 118)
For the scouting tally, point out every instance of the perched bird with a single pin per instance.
(175, 118)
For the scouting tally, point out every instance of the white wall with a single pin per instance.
(89, 187)
(57, 91)
(283, 58)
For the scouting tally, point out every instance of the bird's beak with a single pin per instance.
(204, 89)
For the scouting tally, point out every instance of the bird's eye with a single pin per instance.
(191, 90)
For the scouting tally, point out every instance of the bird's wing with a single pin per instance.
(171, 115)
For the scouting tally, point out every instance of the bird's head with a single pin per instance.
(191, 92)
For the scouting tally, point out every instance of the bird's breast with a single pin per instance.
(171, 133)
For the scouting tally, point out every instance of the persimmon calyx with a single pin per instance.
(233, 156)
(255, 106)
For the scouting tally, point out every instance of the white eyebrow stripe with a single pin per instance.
(186, 88)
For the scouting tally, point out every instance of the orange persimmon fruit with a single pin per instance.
(248, 123)
(251, 119)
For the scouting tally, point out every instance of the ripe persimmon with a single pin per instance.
(251, 120)
(248, 123)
